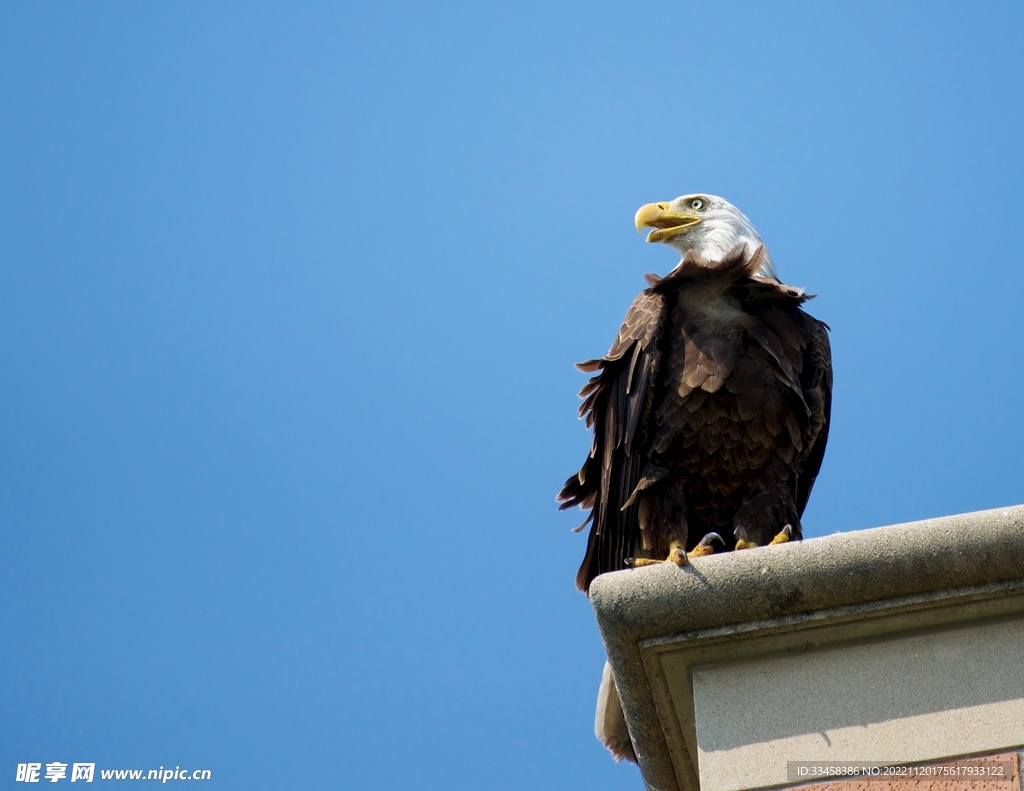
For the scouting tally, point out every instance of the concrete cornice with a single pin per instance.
(663, 620)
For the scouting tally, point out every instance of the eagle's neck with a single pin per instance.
(719, 234)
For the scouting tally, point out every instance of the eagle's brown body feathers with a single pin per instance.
(710, 412)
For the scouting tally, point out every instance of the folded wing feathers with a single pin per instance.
(614, 400)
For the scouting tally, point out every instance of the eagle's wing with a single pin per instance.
(816, 379)
(616, 402)
(797, 346)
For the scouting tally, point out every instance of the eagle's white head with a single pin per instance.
(706, 224)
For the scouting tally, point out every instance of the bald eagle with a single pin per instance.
(710, 411)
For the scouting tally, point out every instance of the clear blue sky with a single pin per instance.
(290, 299)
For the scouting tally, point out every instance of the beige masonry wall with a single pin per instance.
(906, 699)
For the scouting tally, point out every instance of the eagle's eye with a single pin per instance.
(696, 204)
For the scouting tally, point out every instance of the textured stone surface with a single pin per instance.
(660, 623)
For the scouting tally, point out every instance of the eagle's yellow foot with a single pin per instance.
(784, 535)
(742, 539)
(704, 547)
(676, 554)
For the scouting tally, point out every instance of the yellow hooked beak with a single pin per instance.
(667, 224)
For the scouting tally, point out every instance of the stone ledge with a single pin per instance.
(682, 642)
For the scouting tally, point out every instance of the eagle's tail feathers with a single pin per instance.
(609, 721)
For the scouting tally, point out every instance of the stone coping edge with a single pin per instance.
(758, 585)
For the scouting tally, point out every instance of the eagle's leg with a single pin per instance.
(677, 553)
(783, 535)
(704, 547)
(743, 540)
